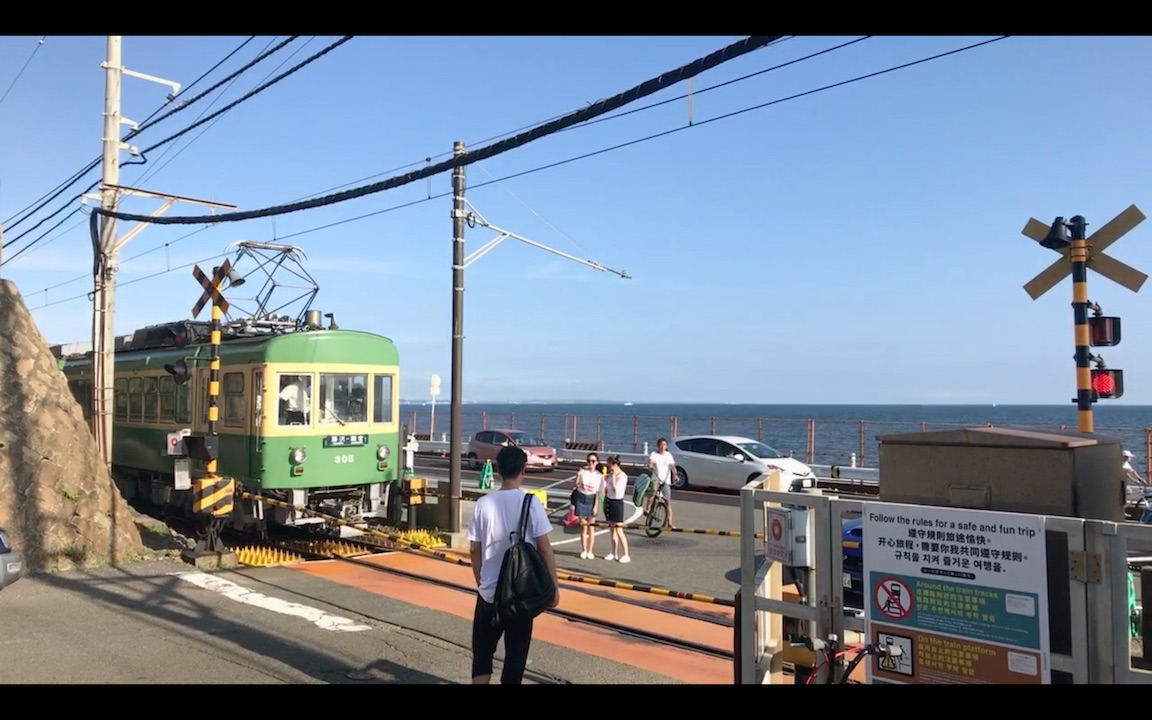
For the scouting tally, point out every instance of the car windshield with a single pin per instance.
(760, 450)
(526, 440)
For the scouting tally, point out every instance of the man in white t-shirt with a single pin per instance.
(661, 464)
(496, 516)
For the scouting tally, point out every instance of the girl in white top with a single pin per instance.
(614, 509)
(587, 502)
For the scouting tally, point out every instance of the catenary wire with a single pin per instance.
(602, 107)
(39, 44)
(53, 194)
(507, 134)
(174, 136)
(510, 133)
(41, 243)
(625, 113)
(655, 136)
(158, 166)
(576, 158)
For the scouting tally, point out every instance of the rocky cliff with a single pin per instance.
(57, 502)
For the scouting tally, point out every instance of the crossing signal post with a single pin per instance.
(214, 495)
(1068, 238)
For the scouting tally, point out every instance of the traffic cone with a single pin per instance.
(486, 475)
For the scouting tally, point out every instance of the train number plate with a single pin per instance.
(345, 440)
(847, 580)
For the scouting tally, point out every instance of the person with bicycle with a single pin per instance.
(661, 465)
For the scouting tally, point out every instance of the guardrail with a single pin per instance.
(639, 460)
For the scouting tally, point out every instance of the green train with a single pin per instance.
(307, 415)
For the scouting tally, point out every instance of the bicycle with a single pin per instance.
(833, 657)
(655, 508)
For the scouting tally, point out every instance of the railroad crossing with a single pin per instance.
(1078, 255)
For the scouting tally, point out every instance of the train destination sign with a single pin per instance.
(964, 594)
(345, 440)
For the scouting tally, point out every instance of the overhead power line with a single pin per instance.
(649, 87)
(549, 166)
(59, 189)
(39, 44)
(695, 93)
(221, 111)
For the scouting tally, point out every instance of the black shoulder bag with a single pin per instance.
(525, 587)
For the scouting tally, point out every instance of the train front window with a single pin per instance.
(343, 399)
(382, 398)
(295, 395)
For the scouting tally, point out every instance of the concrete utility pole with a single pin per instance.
(102, 329)
(455, 450)
(463, 212)
(107, 247)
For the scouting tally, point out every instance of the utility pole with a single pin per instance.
(455, 450)
(107, 247)
(103, 330)
(464, 213)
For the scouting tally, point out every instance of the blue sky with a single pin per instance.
(860, 245)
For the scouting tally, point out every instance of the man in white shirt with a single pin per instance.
(295, 399)
(496, 516)
(661, 464)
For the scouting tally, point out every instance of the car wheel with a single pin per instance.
(681, 480)
(473, 461)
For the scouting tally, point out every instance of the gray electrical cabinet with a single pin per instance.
(1055, 472)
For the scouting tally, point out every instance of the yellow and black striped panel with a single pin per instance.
(214, 495)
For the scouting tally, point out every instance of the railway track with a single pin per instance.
(352, 550)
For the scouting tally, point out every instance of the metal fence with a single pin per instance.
(826, 442)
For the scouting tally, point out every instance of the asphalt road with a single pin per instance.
(707, 564)
(163, 622)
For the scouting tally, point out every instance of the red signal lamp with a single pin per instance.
(1107, 384)
(1104, 331)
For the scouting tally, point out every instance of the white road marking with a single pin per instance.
(558, 482)
(241, 594)
(627, 521)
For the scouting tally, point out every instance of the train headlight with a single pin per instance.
(382, 453)
(299, 456)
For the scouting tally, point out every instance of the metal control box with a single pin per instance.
(788, 536)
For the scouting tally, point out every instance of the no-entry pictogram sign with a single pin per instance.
(775, 541)
(894, 599)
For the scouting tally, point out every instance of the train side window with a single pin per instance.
(295, 398)
(343, 398)
(151, 399)
(167, 391)
(135, 399)
(120, 387)
(382, 388)
(234, 414)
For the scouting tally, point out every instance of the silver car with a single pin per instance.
(729, 461)
(11, 562)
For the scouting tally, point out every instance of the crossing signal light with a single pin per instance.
(1104, 331)
(1107, 384)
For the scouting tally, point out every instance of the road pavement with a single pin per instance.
(707, 564)
(163, 622)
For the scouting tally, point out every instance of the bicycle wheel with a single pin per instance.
(656, 518)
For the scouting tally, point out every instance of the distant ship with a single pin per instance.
(627, 404)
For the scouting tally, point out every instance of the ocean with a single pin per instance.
(820, 434)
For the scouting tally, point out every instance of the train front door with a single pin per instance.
(256, 436)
